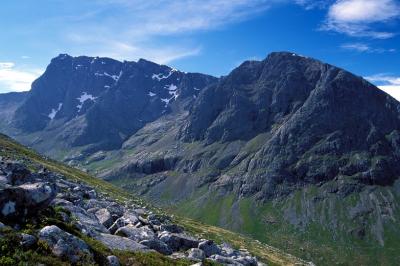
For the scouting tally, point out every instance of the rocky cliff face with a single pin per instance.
(101, 101)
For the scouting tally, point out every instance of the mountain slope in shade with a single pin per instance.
(291, 150)
(101, 101)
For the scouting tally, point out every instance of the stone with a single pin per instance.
(120, 243)
(196, 254)
(104, 217)
(112, 261)
(209, 248)
(157, 245)
(120, 222)
(172, 228)
(136, 234)
(19, 202)
(64, 245)
(178, 241)
(27, 240)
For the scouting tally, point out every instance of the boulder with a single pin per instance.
(209, 248)
(27, 241)
(104, 216)
(17, 173)
(225, 260)
(120, 222)
(172, 228)
(65, 245)
(86, 222)
(157, 245)
(112, 261)
(196, 254)
(120, 243)
(136, 234)
(17, 203)
(178, 241)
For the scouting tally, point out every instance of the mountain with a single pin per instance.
(290, 150)
(99, 102)
(53, 214)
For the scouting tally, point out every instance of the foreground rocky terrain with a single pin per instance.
(48, 218)
(289, 150)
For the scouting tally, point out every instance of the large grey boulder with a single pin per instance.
(85, 221)
(136, 234)
(120, 243)
(19, 202)
(178, 241)
(196, 254)
(209, 248)
(112, 261)
(157, 245)
(104, 217)
(65, 245)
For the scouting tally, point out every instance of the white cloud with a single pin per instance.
(135, 32)
(363, 47)
(388, 83)
(357, 17)
(14, 79)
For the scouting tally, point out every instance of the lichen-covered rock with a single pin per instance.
(27, 240)
(136, 234)
(178, 241)
(209, 247)
(19, 202)
(196, 254)
(104, 217)
(120, 243)
(157, 245)
(65, 245)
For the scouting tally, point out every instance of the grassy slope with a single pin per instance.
(266, 253)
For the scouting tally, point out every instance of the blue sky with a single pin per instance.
(209, 36)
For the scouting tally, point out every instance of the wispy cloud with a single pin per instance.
(365, 48)
(388, 83)
(358, 17)
(144, 22)
(15, 79)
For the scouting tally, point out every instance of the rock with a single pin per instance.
(120, 243)
(27, 241)
(17, 173)
(225, 260)
(131, 216)
(112, 261)
(64, 245)
(209, 248)
(172, 228)
(120, 222)
(86, 222)
(136, 234)
(196, 254)
(247, 260)
(178, 241)
(116, 209)
(157, 245)
(104, 217)
(17, 203)
(228, 251)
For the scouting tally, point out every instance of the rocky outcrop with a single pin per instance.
(63, 244)
(124, 227)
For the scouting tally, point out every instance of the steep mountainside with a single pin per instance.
(52, 214)
(290, 150)
(99, 102)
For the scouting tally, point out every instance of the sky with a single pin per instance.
(207, 36)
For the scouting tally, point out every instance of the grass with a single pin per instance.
(273, 256)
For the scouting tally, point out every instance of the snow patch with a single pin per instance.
(173, 91)
(152, 94)
(166, 101)
(54, 112)
(83, 98)
(196, 89)
(161, 76)
(114, 77)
